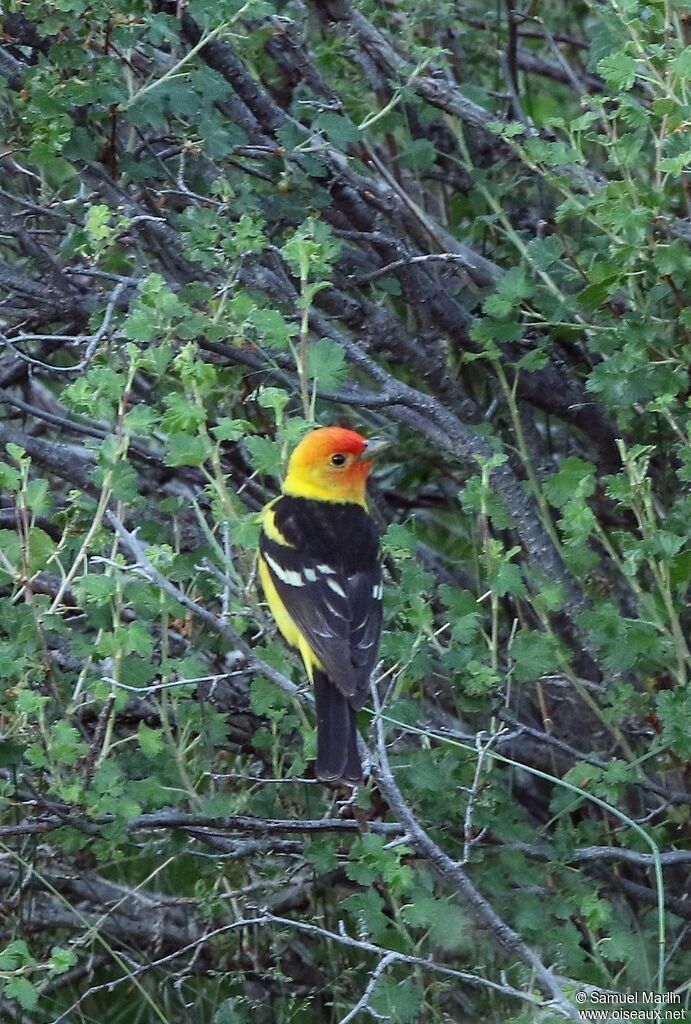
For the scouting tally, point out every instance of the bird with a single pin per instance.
(320, 570)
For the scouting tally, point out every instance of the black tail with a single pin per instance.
(337, 754)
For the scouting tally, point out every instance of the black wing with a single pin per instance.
(339, 612)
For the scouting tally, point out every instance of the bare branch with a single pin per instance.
(144, 567)
(92, 340)
(453, 876)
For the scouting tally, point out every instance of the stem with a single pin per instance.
(304, 339)
(172, 72)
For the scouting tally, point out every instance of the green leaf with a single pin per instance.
(141, 325)
(674, 710)
(446, 921)
(37, 496)
(320, 853)
(681, 64)
(577, 523)
(399, 1002)
(369, 860)
(615, 778)
(311, 250)
(366, 911)
(543, 252)
(267, 699)
(596, 295)
(228, 429)
(574, 478)
(141, 419)
(65, 743)
(479, 496)
(551, 154)
(273, 398)
(338, 129)
(618, 70)
(265, 455)
(95, 589)
(150, 740)
(186, 450)
(23, 991)
(464, 612)
(273, 327)
(533, 655)
(246, 530)
(11, 547)
(16, 954)
(248, 236)
(97, 223)
(508, 131)
(507, 579)
(61, 960)
(479, 679)
(399, 541)
(10, 477)
(326, 363)
(533, 361)
(512, 288)
(41, 547)
(675, 164)
(181, 414)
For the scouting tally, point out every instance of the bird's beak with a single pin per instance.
(374, 447)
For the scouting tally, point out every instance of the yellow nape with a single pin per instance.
(339, 492)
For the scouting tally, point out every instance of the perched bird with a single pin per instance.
(321, 575)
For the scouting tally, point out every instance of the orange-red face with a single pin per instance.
(329, 463)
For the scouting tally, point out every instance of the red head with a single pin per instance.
(330, 464)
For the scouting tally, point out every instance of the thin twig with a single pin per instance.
(92, 340)
(363, 1001)
(482, 748)
(144, 567)
(455, 877)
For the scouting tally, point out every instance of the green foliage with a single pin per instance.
(399, 1001)
(218, 231)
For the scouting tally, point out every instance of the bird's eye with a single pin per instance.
(338, 459)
